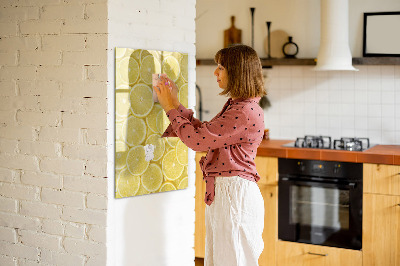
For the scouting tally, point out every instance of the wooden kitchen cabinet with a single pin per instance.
(298, 254)
(381, 215)
(381, 179)
(200, 207)
(381, 230)
(267, 168)
(270, 233)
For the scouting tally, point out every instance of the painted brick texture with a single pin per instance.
(53, 111)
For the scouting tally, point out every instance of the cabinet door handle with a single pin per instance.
(318, 254)
(398, 204)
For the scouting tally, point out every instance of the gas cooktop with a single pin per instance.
(325, 142)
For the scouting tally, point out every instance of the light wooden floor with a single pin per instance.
(199, 262)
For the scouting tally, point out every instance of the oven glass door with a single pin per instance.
(320, 213)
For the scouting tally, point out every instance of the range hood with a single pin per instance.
(334, 51)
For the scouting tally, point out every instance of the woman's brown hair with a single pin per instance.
(245, 78)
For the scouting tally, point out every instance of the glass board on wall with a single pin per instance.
(145, 163)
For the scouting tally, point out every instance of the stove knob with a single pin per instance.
(336, 169)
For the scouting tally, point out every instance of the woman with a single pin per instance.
(235, 207)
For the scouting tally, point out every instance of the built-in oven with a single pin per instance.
(320, 202)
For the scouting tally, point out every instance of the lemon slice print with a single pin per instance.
(184, 67)
(183, 95)
(162, 122)
(167, 186)
(121, 151)
(143, 54)
(152, 178)
(184, 183)
(151, 118)
(134, 131)
(172, 141)
(141, 98)
(181, 153)
(119, 52)
(133, 53)
(122, 103)
(119, 131)
(127, 185)
(149, 66)
(136, 161)
(172, 169)
(159, 145)
(170, 66)
(128, 70)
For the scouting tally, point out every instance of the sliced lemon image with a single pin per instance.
(183, 95)
(133, 53)
(162, 122)
(121, 151)
(136, 161)
(119, 132)
(172, 141)
(127, 185)
(167, 186)
(158, 142)
(151, 118)
(134, 131)
(119, 52)
(152, 178)
(155, 53)
(170, 66)
(128, 70)
(184, 183)
(143, 54)
(181, 153)
(172, 169)
(184, 67)
(141, 98)
(150, 65)
(179, 82)
(122, 103)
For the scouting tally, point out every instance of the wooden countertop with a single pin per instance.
(379, 154)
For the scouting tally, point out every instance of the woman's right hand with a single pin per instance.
(174, 91)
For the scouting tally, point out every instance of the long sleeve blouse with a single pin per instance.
(231, 139)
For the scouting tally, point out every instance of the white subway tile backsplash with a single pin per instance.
(361, 110)
(388, 97)
(387, 72)
(338, 104)
(348, 133)
(322, 109)
(388, 124)
(375, 136)
(322, 95)
(374, 111)
(374, 123)
(374, 97)
(361, 123)
(388, 110)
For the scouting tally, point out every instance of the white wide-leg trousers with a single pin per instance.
(234, 223)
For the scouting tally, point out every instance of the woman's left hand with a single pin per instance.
(163, 90)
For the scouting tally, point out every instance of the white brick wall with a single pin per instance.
(53, 106)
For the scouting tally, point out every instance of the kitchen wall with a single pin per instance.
(339, 104)
(53, 110)
(156, 229)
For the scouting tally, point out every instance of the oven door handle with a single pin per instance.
(330, 184)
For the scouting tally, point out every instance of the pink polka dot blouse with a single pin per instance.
(231, 139)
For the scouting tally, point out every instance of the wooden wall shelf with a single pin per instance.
(312, 61)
